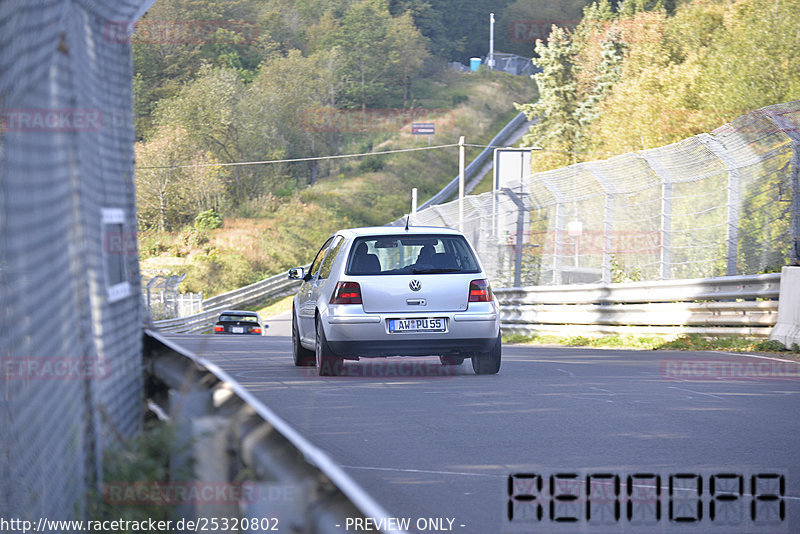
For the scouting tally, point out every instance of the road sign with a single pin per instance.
(423, 128)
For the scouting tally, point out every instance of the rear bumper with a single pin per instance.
(241, 334)
(411, 347)
(367, 335)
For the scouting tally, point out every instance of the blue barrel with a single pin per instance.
(474, 63)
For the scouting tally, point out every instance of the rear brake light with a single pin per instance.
(346, 293)
(256, 330)
(219, 329)
(480, 291)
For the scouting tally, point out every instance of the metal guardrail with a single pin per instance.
(294, 482)
(269, 288)
(733, 305)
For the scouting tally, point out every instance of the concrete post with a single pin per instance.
(787, 329)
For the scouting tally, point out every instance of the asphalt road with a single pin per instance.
(430, 442)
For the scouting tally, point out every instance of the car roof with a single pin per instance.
(396, 230)
(238, 312)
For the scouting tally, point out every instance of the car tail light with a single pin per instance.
(219, 328)
(346, 293)
(480, 291)
(256, 330)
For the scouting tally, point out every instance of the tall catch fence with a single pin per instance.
(717, 204)
(71, 310)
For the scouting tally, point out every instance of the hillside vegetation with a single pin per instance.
(286, 79)
(634, 76)
(275, 232)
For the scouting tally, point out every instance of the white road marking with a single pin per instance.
(697, 392)
(422, 471)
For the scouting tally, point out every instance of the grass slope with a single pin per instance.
(367, 191)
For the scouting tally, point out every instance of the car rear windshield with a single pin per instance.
(239, 318)
(413, 254)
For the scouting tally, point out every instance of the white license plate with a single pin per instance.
(422, 324)
(237, 329)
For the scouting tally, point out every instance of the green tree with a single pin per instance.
(209, 109)
(557, 128)
(363, 39)
(608, 74)
(408, 52)
(168, 195)
(753, 59)
(280, 108)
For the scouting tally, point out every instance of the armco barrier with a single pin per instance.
(292, 483)
(730, 305)
(787, 329)
(270, 288)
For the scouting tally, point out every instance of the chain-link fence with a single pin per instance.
(70, 307)
(715, 204)
(163, 301)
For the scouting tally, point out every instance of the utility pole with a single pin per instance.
(491, 42)
(461, 160)
(413, 214)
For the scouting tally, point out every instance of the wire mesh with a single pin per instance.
(716, 204)
(70, 352)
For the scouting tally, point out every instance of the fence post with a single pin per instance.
(559, 233)
(608, 219)
(732, 233)
(794, 178)
(666, 214)
(520, 204)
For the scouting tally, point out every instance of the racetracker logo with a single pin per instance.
(394, 369)
(60, 368)
(592, 241)
(326, 119)
(177, 493)
(51, 120)
(529, 31)
(170, 32)
(119, 243)
(744, 368)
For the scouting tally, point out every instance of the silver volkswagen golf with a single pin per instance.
(390, 291)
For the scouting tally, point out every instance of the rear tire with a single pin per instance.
(451, 360)
(488, 363)
(327, 363)
(302, 356)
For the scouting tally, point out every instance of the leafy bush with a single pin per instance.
(208, 220)
(770, 345)
(371, 164)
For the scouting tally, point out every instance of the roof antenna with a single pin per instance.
(408, 217)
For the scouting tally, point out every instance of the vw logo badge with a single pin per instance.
(415, 285)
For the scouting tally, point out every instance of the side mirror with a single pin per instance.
(298, 273)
